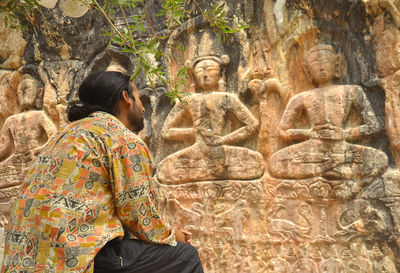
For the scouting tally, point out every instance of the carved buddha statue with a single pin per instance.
(210, 111)
(26, 132)
(320, 122)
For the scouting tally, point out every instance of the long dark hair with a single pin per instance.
(100, 91)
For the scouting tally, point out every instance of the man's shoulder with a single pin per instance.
(101, 123)
(110, 128)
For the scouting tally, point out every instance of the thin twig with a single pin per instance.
(127, 26)
(98, 7)
(149, 20)
(201, 11)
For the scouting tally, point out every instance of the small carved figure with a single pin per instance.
(207, 254)
(326, 110)
(26, 133)
(278, 264)
(359, 263)
(382, 262)
(212, 112)
(226, 258)
(257, 255)
(304, 264)
(332, 264)
(207, 211)
(240, 265)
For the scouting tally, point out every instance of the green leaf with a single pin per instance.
(129, 50)
(182, 72)
(220, 8)
(137, 72)
(152, 43)
(214, 9)
(158, 55)
(230, 31)
(155, 70)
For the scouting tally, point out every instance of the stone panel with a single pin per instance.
(285, 156)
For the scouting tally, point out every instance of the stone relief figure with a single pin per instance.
(320, 120)
(239, 263)
(382, 262)
(360, 262)
(207, 254)
(25, 134)
(332, 264)
(226, 255)
(304, 264)
(212, 112)
(277, 264)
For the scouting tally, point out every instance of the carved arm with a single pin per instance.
(243, 114)
(175, 117)
(6, 144)
(293, 112)
(370, 122)
(50, 129)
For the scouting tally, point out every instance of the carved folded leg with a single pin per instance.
(243, 164)
(339, 160)
(207, 163)
(303, 160)
(358, 162)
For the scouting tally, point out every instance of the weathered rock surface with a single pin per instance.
(285, 158)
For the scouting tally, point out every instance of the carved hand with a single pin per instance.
(210, 138)
(327, 131)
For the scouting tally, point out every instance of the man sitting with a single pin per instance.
(87, 202)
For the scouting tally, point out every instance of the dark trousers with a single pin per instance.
(135, 256)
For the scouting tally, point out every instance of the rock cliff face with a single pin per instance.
(286, 156)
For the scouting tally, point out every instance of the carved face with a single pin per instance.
(27, 93)
(321, 66)
(207, 73)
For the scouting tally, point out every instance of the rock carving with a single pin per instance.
(324, 149)
(213, 156)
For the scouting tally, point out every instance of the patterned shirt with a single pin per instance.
(90, 183)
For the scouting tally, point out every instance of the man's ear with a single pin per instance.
(125, 98)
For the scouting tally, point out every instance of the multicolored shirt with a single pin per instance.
(90, 184)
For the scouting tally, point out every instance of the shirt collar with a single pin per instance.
(99, 114)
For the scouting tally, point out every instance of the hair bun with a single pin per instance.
(77, 110)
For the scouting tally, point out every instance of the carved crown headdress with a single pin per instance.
(321, 47)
